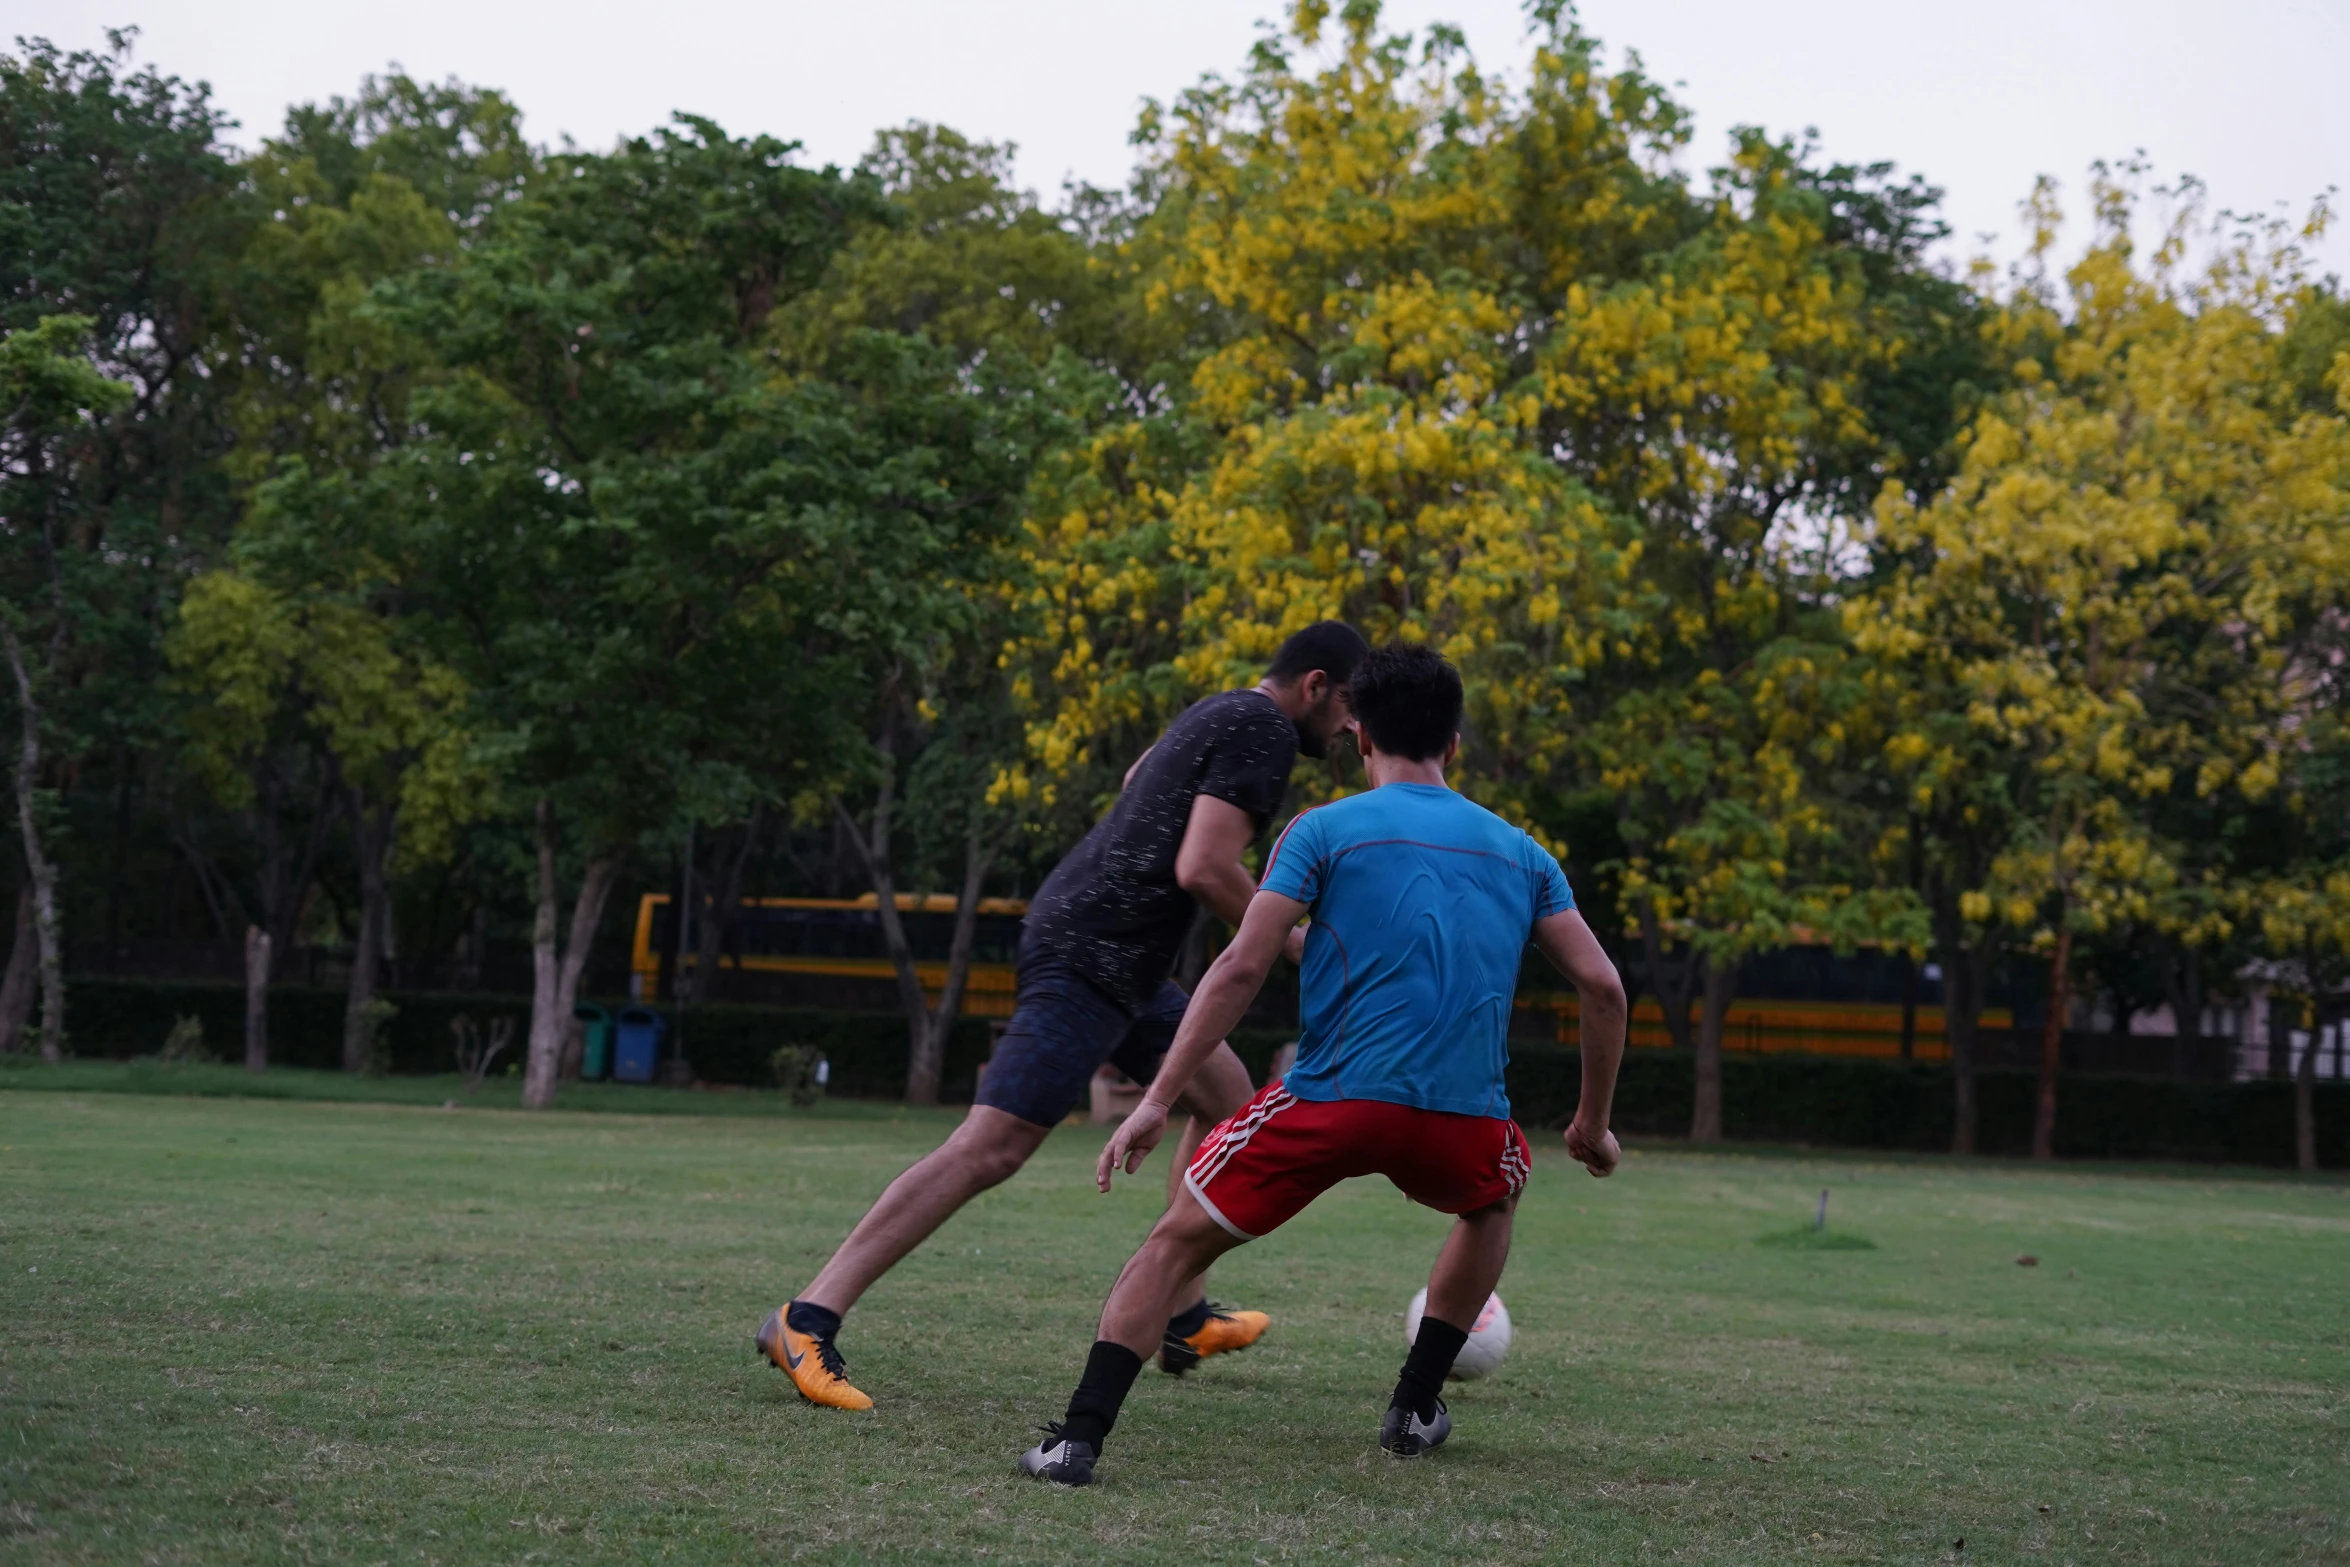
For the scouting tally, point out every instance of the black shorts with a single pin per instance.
(1063, 1028)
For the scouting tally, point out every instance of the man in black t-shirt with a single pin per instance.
(1095, 954)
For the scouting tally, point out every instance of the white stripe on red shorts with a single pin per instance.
(1231, 1136)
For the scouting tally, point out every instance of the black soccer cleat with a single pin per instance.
(1058, 1459)
(1403, 1434)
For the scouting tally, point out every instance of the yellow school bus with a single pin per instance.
(829, 951)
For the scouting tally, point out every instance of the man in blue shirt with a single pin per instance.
(1422, 903)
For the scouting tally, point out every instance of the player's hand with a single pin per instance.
(1293, 946)
(1131, 1143)
(1595, 1151)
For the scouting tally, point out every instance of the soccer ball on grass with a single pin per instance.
(1489, 1338)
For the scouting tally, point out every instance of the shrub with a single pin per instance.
(185, 1043)
(799, 1072)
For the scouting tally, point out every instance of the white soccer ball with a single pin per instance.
(1489, 1339)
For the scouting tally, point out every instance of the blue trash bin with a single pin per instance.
(636, 1044)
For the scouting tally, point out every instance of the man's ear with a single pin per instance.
(1452, 752)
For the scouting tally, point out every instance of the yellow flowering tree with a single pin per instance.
(2104, 621)
(1732, 400)
(1363, 260)
(1478, 366)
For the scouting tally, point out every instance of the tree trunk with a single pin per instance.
(873, 847)
(16, 987)
(2280, 1036)
(42, 870)
(1721, 987)
(126, 772)
(573, 1065)
(220, 899)
(2305, 1093)
(256, 999)
(927, 1027)
(546, 1023)
(285, 886)
(555, 974)
(977, 857)
(718, 913)
(371, 834)
(2186, 1011)
(1674, 981)
(1909, 1008)
(1965, 971)
(2052, 1040)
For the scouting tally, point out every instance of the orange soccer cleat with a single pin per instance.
(813, 1365)
(1224, 1330)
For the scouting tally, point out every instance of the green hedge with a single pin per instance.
(1873, 1104)
(1801, 1099)
(120, 1018)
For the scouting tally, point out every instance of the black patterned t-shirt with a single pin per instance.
(1112, 908)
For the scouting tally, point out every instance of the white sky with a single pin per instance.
(1979, 97)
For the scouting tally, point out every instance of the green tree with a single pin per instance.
(116, 210)
(1000, 312)
(338, 657)
(50, 395)
(636, 520)
(350, 197)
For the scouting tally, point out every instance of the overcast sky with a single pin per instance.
(1979, 97)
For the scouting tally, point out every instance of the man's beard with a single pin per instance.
(1309, 744)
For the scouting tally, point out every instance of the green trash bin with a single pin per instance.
(596, 1060)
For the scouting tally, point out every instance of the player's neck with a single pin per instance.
(1382, 770)
(1284, 695)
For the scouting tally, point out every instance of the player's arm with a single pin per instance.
(1223, 998)
(1208, 864)
(1569, 944)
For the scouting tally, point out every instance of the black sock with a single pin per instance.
(1190, 1319)
(1435, 1348)
(814, 1321)
(1110, 1371)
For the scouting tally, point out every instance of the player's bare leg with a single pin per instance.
(1467, 1270)
(1195, 1327)
(1181, 1245)
(987, 1149)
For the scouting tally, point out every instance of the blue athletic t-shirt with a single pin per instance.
(1422, 903)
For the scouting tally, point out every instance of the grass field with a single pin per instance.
(243, 1330)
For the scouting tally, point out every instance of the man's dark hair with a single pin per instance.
(1407, 697)
(1331, 646)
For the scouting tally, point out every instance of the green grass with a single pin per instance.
(214, 1080)
(253, 1330)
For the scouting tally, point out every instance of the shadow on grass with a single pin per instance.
(1805, 1237)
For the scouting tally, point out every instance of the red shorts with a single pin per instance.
(1258, 1170)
